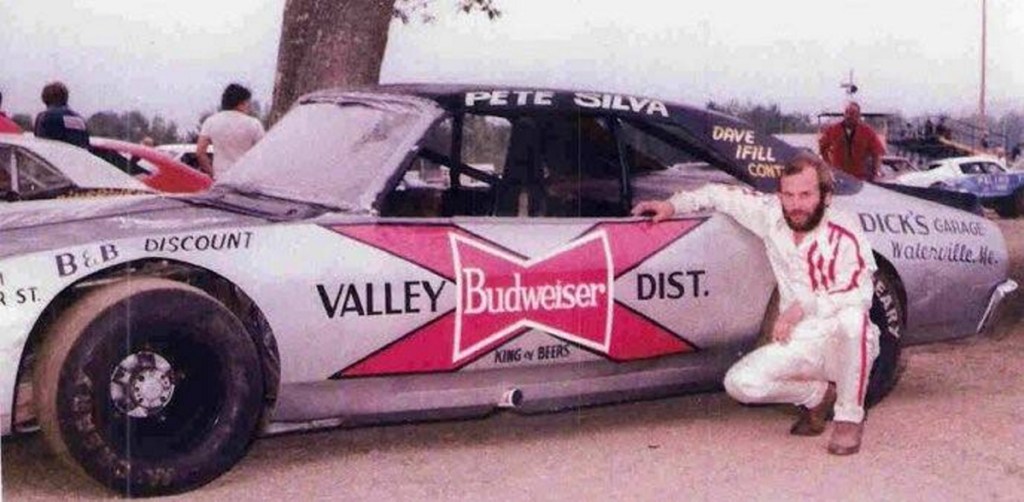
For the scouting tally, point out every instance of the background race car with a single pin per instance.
(985, 177)
(157, 169)
(35, 169)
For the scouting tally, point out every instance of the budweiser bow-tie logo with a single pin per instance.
(567, 293)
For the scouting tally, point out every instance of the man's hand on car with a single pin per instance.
(658, 209)
(783, 328)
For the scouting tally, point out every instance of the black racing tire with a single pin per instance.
(1006, 208)
(889, 314)
(1012, 206)
(149, 386)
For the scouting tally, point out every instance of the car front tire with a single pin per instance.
(149, 386)
(889, 314)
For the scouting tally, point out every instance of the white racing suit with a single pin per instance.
(830, 275)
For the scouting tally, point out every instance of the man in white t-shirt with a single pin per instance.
(233, 131)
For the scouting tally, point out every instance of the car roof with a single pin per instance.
(125, 146)
(727, 142)
(180, 148)
(972, 158)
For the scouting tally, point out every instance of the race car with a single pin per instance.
(985, 177)
(343, 274)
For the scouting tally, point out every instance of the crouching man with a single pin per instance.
(823, 343)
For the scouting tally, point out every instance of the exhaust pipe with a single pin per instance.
(510, 398)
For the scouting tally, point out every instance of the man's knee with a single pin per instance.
(744, 386)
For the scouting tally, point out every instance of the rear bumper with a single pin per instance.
(995, 303)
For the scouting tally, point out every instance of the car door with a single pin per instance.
(523, 221)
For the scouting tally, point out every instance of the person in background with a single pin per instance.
(852, 146)
(942, 130)
(59, 122)
(147, 141)
(6, 124)
(929, 129)
(233, 131)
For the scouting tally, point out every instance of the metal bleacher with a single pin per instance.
(943, 138)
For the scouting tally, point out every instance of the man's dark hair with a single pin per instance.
(55, 94)
(807, 160)
(234, 95)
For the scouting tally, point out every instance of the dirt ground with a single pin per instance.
(952, 430)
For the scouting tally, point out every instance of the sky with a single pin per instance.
(174, 58)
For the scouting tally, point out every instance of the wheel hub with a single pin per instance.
(142, 385)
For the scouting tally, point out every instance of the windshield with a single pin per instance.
(335, 151)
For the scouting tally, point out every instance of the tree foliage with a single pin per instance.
(133, 126)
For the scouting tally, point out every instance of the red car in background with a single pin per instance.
(8, 126)
(150, 166)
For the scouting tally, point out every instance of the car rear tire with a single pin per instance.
(888, 313)
(1006, 208)
(1012, 206)
(149, 386)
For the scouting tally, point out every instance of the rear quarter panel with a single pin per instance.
(948, 260)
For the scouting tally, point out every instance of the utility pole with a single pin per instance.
(851, 88)
(981, 97)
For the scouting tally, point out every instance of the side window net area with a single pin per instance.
(34, 175)
(6, 165)
(540, 166)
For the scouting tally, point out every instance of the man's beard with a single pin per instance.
(811, 223)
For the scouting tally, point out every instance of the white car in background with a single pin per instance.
(894, 166)
(184, 153)
(941, 173)
(986, 178)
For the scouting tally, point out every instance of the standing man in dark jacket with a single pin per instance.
(58, 121)
(852, 146)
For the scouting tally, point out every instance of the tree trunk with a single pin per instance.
(329, 43)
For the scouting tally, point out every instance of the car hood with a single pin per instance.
(33, 226)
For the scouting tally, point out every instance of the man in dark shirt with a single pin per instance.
(58, 121)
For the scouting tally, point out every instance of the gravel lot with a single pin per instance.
(950, 431)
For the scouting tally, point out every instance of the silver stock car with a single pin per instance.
(426, 252)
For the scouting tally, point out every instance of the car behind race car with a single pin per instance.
(985, 177)
(157, 169)
(35, 169)
(185, 153)
(151, 338)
